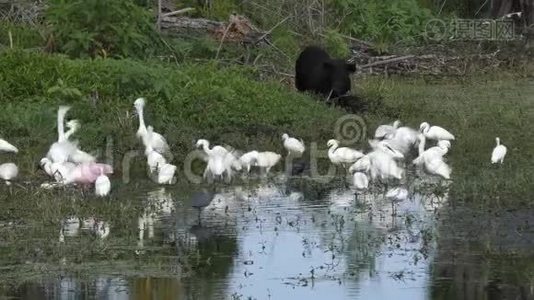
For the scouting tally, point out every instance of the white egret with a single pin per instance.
(166, 174)
(342, 156)
(232, 163)
(60, 150)
(158, 141)
(46, 165)
(64, 150)
(404, 139)
(436, 152)
(386, 131)
(384, 166)
(102, 185)
(435, 132)
(385, 147)
(8, 171)
(249, 159)
(267, 160)
(292, 145)
(438, 167)
(217, 160)
(154, 158)
(7, 147)
(499, 152)
(361, 165)
(360, 181)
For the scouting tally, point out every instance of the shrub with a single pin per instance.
(117, 28)
(382, 21)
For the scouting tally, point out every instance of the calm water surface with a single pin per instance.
(285, 239)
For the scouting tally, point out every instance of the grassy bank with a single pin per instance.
(232, 105)
(184, 103)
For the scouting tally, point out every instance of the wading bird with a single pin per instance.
(292, 145)
(499, 152)
(342, 155)
(435, 132)
(386, 131)
(158, 142)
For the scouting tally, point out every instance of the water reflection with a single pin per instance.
(292, 239)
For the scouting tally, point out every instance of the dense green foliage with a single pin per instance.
(382, 21)
(116, 28)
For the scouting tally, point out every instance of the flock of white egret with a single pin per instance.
(67, 164)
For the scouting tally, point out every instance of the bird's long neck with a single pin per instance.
(206, 147)
(332, 148)
(498, 141)
(422, 142)
(60, 126)
(142, 126)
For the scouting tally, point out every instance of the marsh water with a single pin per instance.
(284, 238)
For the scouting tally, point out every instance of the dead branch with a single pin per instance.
(178, 12)
(387, 61)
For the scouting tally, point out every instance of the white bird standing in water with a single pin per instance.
(385, 146)
(102, 185)
(154, 158)
(292, 145)
(218, 162)
(249, 159)
(8, 172)
(499, 152)
(267, 159)
(404, 139)
(342, 156)
(435, 132)
(166, 174)
(159, 143)
(360, 181)
(433, 161)
(64, 150)
(387, 130)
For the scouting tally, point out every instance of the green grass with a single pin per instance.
(475, 110)
(184, 103)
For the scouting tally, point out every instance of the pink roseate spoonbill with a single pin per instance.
(85, 173)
